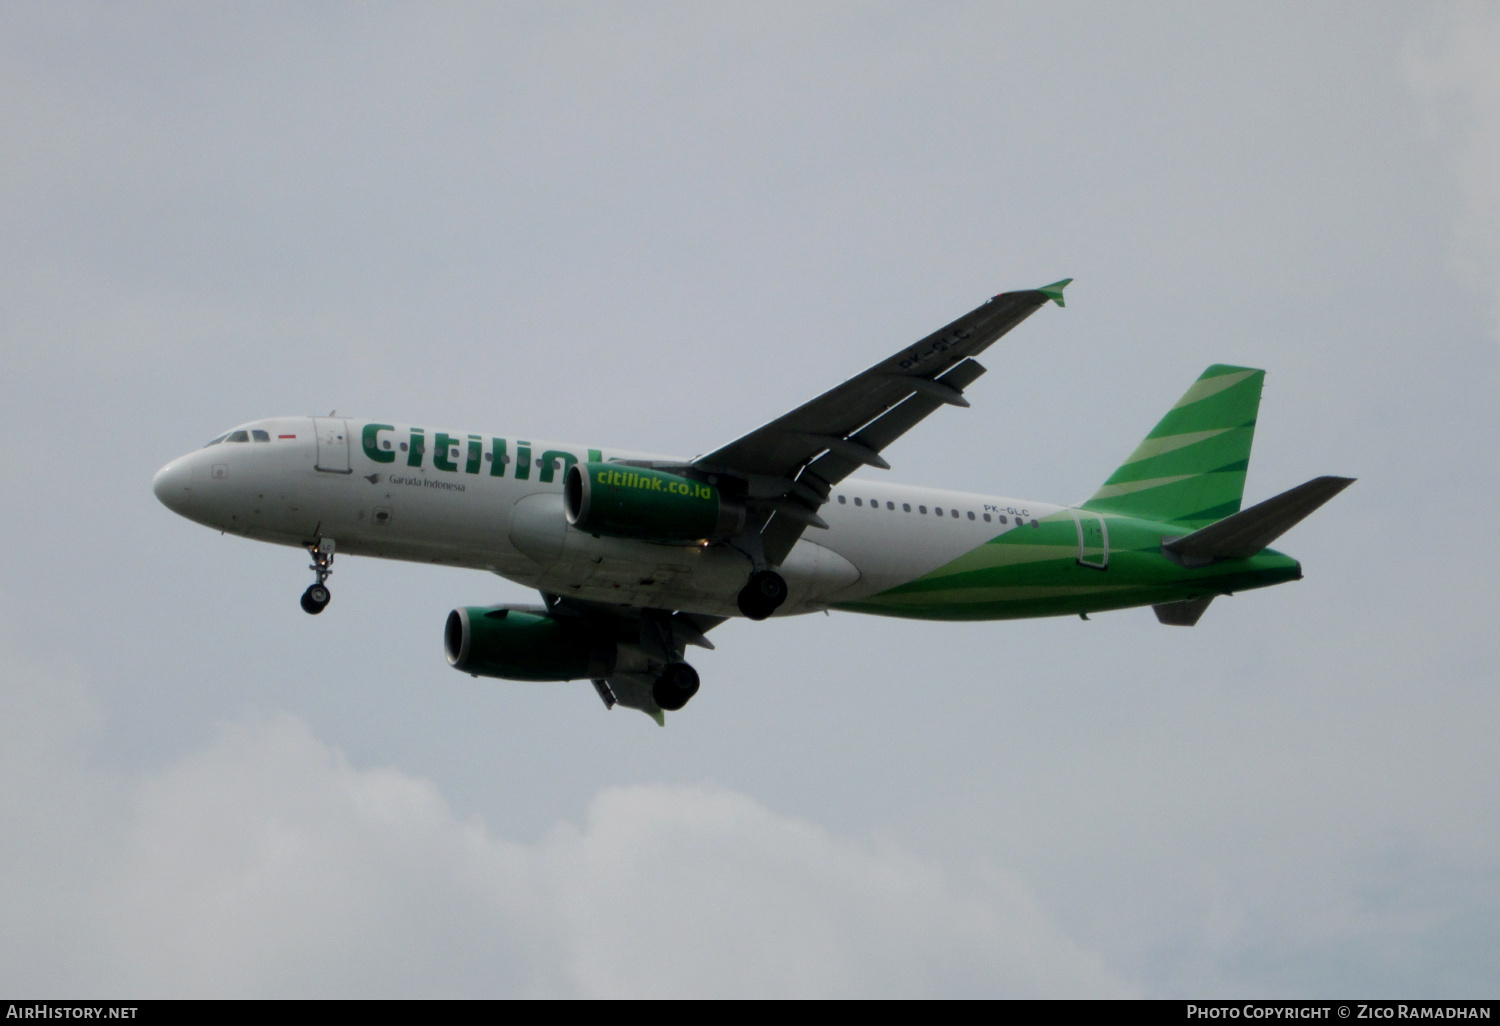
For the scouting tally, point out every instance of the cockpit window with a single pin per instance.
(216, 441)
(238, 436)
(259, 435)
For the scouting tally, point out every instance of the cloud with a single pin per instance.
(266, 864)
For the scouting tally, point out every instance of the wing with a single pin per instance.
(791, 463)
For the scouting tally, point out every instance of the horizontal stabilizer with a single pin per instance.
(1243, 534)
(1182, 614)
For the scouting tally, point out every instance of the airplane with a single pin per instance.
(638, 556)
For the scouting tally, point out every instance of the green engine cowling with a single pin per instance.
(524, 644)
(647, 505)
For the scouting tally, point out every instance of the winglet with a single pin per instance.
(1054, 291)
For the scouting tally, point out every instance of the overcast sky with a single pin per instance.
(657, 226)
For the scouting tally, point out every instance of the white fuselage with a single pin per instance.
(493, 503)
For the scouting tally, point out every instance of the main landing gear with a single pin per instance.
(316, 597)
(678, 683)
(762, 596)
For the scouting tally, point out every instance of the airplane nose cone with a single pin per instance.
(171, 485)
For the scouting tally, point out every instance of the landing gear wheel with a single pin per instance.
(763, 595)
(314, 599)
(316, 596)
(678, 683)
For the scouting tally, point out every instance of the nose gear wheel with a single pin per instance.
(314, 599)
(317, 596)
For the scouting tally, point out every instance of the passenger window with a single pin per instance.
(906, 507)
(386, 444)
(403, 446)
(971, 514)
(890, 505)
(841, 500)
(1035, 524)
(1003, 520)
(858, 501)
(239, 436)
(986, 518)
(489, 457)
(922, 510)
(938, 510)
(259, 435)
(955, 513)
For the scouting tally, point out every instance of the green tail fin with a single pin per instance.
(1190, 470)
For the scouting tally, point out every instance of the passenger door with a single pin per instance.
(333, 444)
(1093, 539)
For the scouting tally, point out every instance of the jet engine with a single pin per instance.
(647, 505)
(519, 643)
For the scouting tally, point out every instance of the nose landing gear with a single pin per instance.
(763, 595)
(316, 597)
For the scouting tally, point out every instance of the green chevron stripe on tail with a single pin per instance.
(1190, 470)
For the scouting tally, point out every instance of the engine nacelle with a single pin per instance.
(647, 505)
(525, 644)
